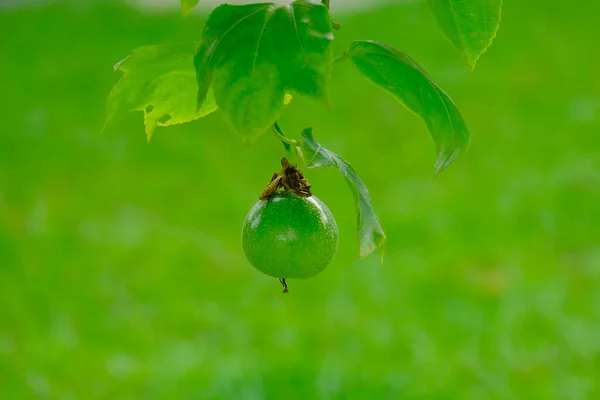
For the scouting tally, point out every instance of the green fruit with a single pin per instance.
(288, 236)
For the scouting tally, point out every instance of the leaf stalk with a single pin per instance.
(342, 57)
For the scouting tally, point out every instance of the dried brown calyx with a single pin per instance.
(290, 179)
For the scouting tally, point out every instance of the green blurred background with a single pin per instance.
(121, 270)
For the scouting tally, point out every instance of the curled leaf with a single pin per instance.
(370, 232)
(401, 76)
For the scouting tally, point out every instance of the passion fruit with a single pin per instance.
(290, 236)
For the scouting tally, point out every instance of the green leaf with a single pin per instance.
(370, 231)
(405, 79)
(471, 25)
(187, 6)
(161, 82)
(257, 53)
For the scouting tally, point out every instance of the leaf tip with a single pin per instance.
(378, 241)
(187, 6)
(383, 246)
(149, 131)
(366, 253)
(471, 61)
(444, 160)
(186, 11)
(104, 127)
(117, 66)
(110, 118)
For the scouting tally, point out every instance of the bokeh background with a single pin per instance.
(121, 270)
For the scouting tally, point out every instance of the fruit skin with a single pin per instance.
(288, 236)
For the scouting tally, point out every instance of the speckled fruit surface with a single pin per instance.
(288, 236)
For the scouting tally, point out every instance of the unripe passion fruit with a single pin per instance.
(287, 236)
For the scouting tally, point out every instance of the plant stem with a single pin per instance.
(292, 147)
(341, 58)
(287, 142)
(325, 3)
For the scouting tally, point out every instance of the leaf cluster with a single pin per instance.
(252, 58)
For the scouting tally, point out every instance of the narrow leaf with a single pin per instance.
(471, 25)
(400, 75)
(187, 6)
(370, 232)
(257, 53)
(161, 82)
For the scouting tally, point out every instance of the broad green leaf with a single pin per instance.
(405, 79)
(161, 82)
(370, 232)
(187, 6)
(252, 55)
(471, 25)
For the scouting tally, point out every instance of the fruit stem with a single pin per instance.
(284, 284)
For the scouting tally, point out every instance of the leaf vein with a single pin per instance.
(262, 31)
(233, 26)
(295, 23)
